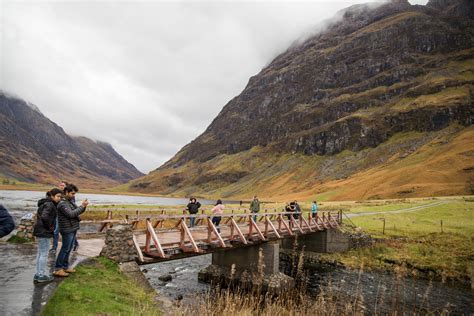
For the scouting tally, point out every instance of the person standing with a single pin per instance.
(44, 231)
(255, 207)
(193, 208)
(297, 210)
(68, 218)
(218, 209)
(290, 208)
(62, 185)
(314, 209)
(7, 224)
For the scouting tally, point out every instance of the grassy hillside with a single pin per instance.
(407, 165)
(379, 105)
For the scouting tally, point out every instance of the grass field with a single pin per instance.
(98, 288)
(418, 241)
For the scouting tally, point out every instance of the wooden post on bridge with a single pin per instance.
(152, 235)
(239, 232)
(267, 223)
(281, 221)
(106, 224)
(211, 228)
(185, 232)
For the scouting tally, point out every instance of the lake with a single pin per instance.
(19, 203)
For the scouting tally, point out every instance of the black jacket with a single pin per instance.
(68, 216)
(45, 219)
(193, 208)
(6, 222)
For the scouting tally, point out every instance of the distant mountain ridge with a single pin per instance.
(347, 114)
(35, 149)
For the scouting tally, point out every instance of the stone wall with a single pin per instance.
(25, 228)
(119, 244)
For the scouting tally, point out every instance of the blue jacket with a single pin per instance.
(314, 207)
(6, 222)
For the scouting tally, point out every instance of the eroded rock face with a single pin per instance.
(344, 88)
(333, 106)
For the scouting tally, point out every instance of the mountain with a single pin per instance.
(379, 105)
(35, 149)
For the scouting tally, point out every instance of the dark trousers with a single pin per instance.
(62, 262)
(56, 237)
(216, 220)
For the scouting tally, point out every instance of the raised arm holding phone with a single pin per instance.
(68, 219)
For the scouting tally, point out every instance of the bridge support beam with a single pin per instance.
(248, 267)
(328, 241)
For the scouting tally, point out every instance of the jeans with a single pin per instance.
(216, 220)
(56, 235)
(255, 218)
(314, 214)
(192, 220)
(42, 257)
(62, 262)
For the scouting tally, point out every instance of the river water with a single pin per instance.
(378, 290)
(19, 203)
(381, 293)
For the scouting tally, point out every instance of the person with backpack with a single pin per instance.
(193, 208)
(255, 207)
(68, 218)
(44, 231)
(62, 185)
(218, 209)
(7, 225)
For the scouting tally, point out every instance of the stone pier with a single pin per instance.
(248, 267)
(328, 241)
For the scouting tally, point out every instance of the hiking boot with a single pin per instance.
(43, 279)
(60, 273)
(70, 270)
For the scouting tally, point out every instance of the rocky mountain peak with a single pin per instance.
(377, 71)
(35, 149)
(453, 7)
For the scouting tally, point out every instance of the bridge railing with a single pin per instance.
(200, 219)
(243, 228)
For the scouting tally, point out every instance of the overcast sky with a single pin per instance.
(149, 76)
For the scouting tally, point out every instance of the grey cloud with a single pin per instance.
(146, 76)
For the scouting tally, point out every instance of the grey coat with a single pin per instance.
(68, 216)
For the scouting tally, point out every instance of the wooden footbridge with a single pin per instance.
(166, 237)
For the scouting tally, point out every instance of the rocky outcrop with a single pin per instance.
(378, 71)
(35, 149)
(305, 100)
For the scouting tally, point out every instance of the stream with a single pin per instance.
(380, 292)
